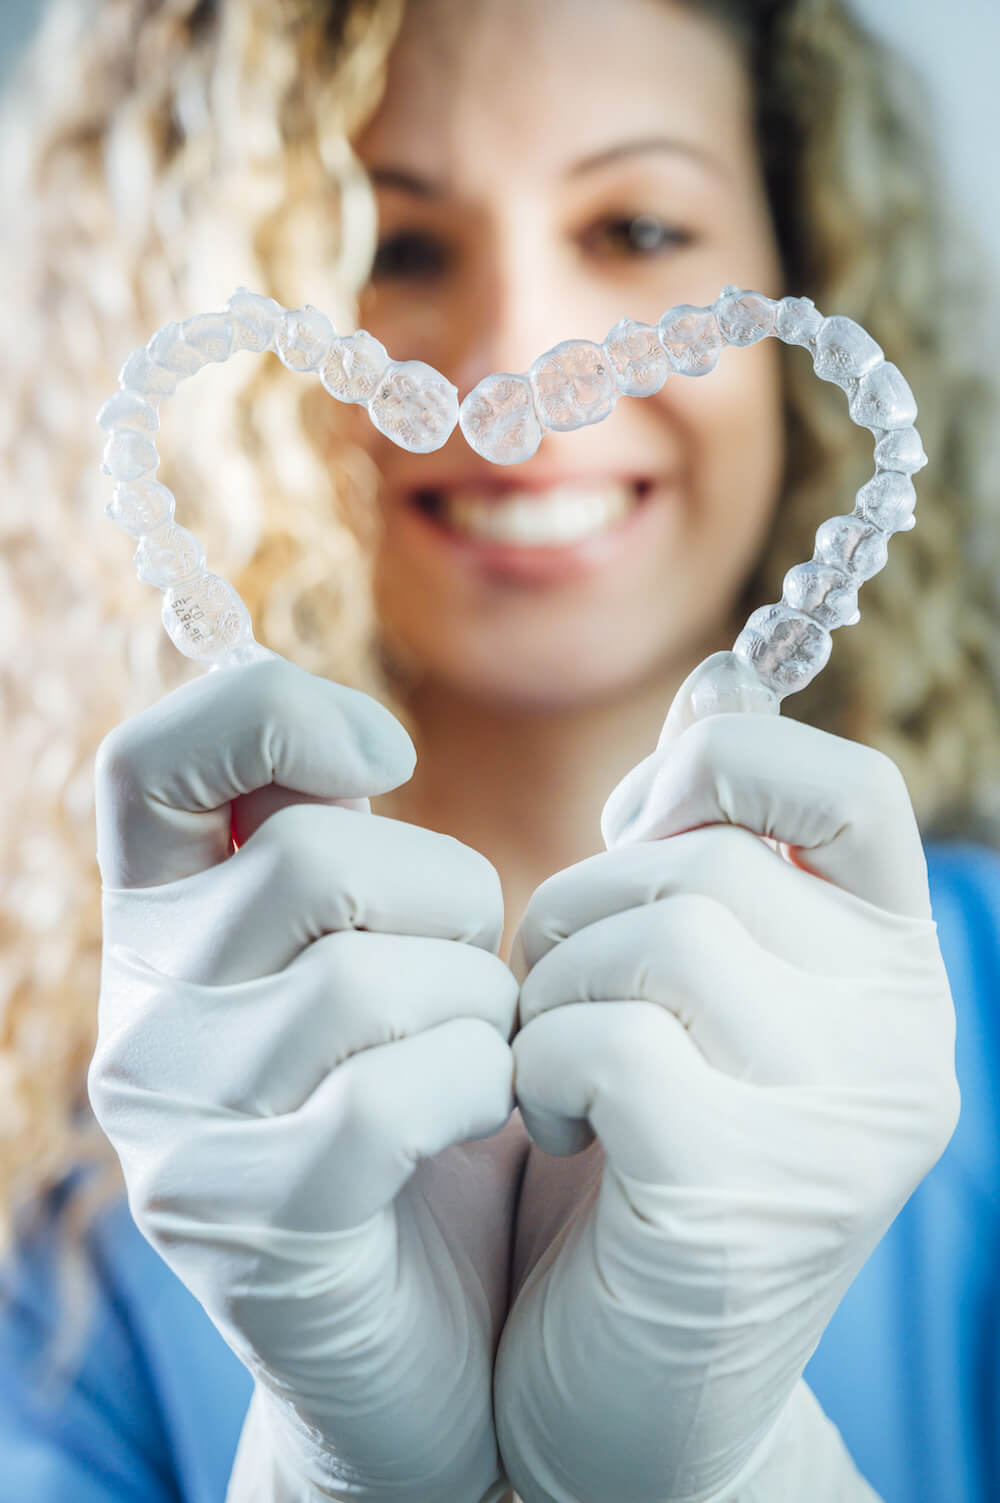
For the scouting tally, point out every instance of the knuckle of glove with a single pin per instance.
(174, 1149)
(686, 920)
(302, 837)
(101, 1088)
(644, 1036)
(109, 1084)
(306, 850)
(478, 1050)
(369, 997)
(193, 1175)
(634, 1038)
(878, 789)
(136, 1061)
(349, 849)
(638, 954)
(162, 1183)
(368, 1103)
(564, 902)
(159, 1158)
(485, 992)
(712, 859)
(702, 750)
(708, 860)
(122, 752)
(478, 1040)
(545, 921)
(944, 1107)
(131, 1115)
(473, 885)
(349, 977)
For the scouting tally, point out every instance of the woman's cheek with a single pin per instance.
(733, 419)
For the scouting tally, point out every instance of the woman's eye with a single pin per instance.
(409, 253)
(634, 235)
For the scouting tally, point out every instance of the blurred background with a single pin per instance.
(960, 63)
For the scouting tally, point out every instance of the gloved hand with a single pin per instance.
(762, 1040)
(284, 1032)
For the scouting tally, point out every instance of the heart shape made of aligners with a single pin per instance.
(504, 418)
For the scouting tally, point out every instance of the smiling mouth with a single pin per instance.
(561, 515)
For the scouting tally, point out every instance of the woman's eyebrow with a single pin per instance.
(406, 180)
(645, 144)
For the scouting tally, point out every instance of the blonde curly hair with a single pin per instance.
(160, 153)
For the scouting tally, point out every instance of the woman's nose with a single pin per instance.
(512, 315)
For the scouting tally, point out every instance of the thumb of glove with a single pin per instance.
(720, 685)
(256, 737)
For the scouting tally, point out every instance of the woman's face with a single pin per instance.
(541, 172)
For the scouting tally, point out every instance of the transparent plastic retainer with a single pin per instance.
(504, 418)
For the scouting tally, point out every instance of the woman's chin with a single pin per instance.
(529, 680)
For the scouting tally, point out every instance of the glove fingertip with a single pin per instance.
(391, 755)
(382, 741)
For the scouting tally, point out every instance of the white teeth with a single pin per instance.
(564, 514)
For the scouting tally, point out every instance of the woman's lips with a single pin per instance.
(422, 520)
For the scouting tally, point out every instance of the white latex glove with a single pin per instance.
(284, 1032)
(764, 1048)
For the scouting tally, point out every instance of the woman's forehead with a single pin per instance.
(566, 80)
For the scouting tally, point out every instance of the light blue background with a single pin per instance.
(17, 20)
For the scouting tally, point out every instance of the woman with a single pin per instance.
(538, 173)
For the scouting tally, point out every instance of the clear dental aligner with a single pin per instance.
(782, 647)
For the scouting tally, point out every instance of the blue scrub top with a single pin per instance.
(909, 1368)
